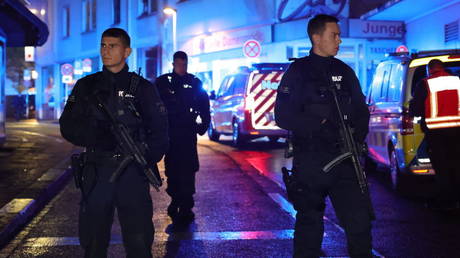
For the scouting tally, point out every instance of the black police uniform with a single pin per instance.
(184, 99)
(84, 124)
(306, 107)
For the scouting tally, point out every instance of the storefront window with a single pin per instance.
(48, 92)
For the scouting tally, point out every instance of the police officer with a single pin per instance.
(84, 124)
(185, 100)
(436, 101)
(304, 105)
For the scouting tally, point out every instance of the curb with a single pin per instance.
(47, 186)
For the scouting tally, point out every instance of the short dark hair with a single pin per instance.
(180, 55)
(435, 63)
(318, 24)
(118, 33)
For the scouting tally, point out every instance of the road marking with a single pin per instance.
(16, 205)
(176, 236)
(283, 203)
(44, 135)
(287, 206)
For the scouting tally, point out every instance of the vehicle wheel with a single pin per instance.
(273, 139)
(396, 177)
(237, 139)
(212, 133)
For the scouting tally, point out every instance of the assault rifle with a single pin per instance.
(131, 150)
(351, 149)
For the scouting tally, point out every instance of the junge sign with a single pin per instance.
(376, 29)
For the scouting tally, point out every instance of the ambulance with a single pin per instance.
(244, 104)
(395, 139)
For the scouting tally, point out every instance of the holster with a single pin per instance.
(78, 162)
(295, 190)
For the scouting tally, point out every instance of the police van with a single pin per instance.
(244, 104)
(395, 139)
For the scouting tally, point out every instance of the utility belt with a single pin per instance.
(91, 156)
(314, 144)
(98, 156)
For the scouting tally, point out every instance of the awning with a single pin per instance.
(22, 28)
(406, 10)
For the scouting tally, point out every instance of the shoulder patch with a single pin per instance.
(161, 107)
(71, 98)
(284, 89)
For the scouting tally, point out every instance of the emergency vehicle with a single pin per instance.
(395, 139)
(244, 104)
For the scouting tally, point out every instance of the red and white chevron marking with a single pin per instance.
(263, 91)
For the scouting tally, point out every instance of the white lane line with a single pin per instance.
(44, 135)
(176, 236)
(287, 206)
(283, 203)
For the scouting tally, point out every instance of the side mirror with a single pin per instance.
(212, 95)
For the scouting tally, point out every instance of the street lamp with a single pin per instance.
(173, 13)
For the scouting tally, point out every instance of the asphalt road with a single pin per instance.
(241, 211)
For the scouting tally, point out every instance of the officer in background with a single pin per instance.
(304, 105)
(185, 101)
(436, 101)
(84, 124)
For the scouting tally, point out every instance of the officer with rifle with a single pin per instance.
(320, 101)
(120, 119)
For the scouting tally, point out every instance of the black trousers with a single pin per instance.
(351, 206)
(444, 150)
(130, 195)
(181, 187)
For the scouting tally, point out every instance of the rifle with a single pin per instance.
(352, 150)
(130, 149)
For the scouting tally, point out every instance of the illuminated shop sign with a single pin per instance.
(376, 29)
(224, 40)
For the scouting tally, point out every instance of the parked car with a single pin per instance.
(244, 104)
(395, 139)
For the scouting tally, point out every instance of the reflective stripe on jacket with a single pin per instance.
(442, 103)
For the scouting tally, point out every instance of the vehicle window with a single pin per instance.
(419, 74)
(453, 68)
(385, 82)
(223, 87)
(230, 86)
(239, 83)
(395, 83)
(376, 84)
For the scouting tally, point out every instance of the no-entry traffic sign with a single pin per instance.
(252, 48)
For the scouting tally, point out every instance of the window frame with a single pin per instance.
(65, 21)
(116, 12)
(89, 15)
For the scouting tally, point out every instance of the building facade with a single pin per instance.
(218, 35)
(430, 25)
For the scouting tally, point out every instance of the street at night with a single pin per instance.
(229, 128)
(241, 210)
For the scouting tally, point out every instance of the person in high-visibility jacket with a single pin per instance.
(436, 100)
